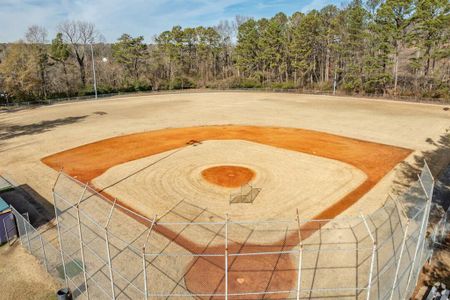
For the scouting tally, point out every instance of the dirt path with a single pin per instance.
(205, 275)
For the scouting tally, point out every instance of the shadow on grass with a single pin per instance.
(437, 159)
(439, 269)
(12, 131)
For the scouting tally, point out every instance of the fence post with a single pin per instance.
(83, 261)
(300, 257)
(44, 254)
(108, 251)
(372, 262)
(26, 234)
(111, 276)
(144, 262)
(399, 260)
(429, 202)
(421, 237)
(144, 268)
(226, 257)
(299, 274)
(59, 234)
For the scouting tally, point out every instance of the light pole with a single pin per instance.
(93, 70)
(336, 41)
(334, 82)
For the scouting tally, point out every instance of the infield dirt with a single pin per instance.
(228, 176)
(205, 275)
(31, 134)
(90, 161)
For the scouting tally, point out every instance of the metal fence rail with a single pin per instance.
(246, 194)
(379, 256)
(109, 252)
(34, 242)
(52, 101)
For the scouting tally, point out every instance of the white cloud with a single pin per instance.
(137, 17)
(16, 16)
(112, 17)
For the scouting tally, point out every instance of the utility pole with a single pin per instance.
(334, 82)
(93, 70)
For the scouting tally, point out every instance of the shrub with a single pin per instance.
(283, 85)
(179, 83)
(246, 83)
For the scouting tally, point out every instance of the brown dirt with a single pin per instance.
(22, 277)
(228, 176)
(438, 270)
(267, 272)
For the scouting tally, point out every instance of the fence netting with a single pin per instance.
(109, 252)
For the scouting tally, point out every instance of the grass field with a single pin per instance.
(325, 156)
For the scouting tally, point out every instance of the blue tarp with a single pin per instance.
(3, 205)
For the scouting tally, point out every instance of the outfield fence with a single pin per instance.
(107, 251)
(414, 99)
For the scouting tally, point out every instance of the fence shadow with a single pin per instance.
(336, 261)
(437, 159)
(438, 270)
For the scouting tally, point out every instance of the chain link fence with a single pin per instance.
(246, 194)
(193, 253)
(34, 242)
(107, 251)
(415, 99)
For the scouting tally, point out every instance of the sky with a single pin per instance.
(138, 17)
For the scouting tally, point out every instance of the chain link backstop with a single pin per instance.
(109, 252)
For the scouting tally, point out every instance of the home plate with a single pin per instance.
(240, 280)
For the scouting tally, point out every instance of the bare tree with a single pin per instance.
(228, 33)
(36, 36)
(225, 29)
(238, 21)
(79, 34)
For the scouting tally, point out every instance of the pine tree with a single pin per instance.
(247, 49)
(59, 52)
(430, 34)
(130, 53)
(393, 19)
(352, 47)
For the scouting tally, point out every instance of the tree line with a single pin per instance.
(390, 47)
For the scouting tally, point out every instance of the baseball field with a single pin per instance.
(171, 155)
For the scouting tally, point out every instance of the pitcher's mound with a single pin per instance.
(228, 176)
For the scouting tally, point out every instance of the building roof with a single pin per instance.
(3, 205)
(5, 184)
